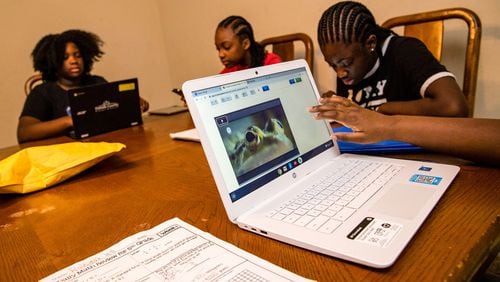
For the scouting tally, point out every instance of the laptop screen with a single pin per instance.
(260, 129)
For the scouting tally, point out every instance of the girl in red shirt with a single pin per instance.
(237, 47)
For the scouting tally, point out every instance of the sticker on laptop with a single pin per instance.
(126, 87)
(375, 232)
(426, 179)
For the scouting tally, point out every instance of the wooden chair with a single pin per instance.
(284, 47)
(429, 28)
(31, 82)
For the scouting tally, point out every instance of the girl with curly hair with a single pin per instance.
(65, 61)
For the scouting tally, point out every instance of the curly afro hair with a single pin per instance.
(48, 54)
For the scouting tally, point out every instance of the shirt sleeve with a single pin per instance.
(418, 64)
(36, 105)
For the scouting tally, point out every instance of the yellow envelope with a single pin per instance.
(40, 167)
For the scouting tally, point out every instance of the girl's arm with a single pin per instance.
(443, 97)
(469, 138)
(30, 128)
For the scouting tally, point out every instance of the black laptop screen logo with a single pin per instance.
(106, 106)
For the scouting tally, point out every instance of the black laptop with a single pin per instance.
(104, 107)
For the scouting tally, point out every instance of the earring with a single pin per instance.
(372, 50)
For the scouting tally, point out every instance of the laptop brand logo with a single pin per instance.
(425, 168)
(106, 106)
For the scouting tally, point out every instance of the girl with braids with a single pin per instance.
(238, 50)
(237, 47)
(381, 71)
(65, 61)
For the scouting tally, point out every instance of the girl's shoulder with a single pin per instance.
(398, 43)
(402, 48)
(271, 58)
(43, 88)
(93, 79)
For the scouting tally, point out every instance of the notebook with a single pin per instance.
(104, 107)
(388, 146)
(280, 175)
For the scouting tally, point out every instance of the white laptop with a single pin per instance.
(280, 175)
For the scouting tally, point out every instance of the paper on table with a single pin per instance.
(173, 251)
(190, 134)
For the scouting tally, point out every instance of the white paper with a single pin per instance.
(173, 251)
(190, 134)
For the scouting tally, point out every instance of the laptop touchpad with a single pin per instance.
(403, 200)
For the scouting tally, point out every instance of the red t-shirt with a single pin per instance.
(269, 59)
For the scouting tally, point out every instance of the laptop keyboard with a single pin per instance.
(335, 197)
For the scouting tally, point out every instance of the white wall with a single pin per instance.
(165, 42)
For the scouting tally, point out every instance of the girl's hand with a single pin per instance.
(144, 105)
(368, 126)
(328, 94)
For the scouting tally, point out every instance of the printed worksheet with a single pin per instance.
(173, 251)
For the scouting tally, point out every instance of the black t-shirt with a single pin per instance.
(49, 101)
(404, 67)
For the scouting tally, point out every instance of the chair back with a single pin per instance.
(429, 28)
(284, 47)
(31, 82)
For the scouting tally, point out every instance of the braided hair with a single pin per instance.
(243, 29)
(348, 22)
(48, 54)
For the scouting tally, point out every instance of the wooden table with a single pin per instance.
(156, 178)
